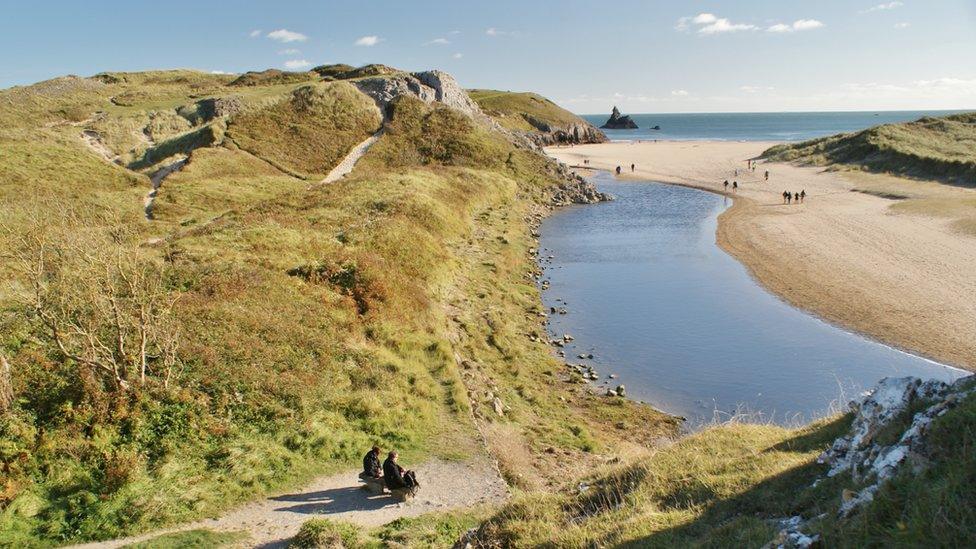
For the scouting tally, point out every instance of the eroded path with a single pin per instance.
(349, 162)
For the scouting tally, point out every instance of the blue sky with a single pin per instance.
(645, 56)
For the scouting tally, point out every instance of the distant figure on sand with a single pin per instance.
(736, 172)
(787, 196)
(618, 170)
(726, 184)
(735, 186)
(371, 464)
(803, 194)
(766, 175)
(397, 477)
(632, 166)
(796, 198)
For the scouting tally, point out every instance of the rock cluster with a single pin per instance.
(618, 121)
(868, 459)
(875, 461)
(428, 86)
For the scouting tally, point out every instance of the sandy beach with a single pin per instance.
(891, 258)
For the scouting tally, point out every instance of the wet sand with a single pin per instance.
(903, 275)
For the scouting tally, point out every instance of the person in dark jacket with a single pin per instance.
(396, 476)
(371, 464)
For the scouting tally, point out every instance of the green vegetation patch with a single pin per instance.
(191, 539)
(523, 111)
(942, 148)
(309, 131)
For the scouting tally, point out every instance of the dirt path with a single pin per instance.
(271, 522)
(349, 162)
(899, 271)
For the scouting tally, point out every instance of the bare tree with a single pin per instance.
(103, 305)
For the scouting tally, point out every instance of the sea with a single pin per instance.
(755, 126)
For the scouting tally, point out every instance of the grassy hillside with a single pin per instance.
(942, 148)
(529, 112)
(285, 328)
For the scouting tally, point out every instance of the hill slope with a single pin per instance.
(539, 118)
(259, 330)
(941, 148)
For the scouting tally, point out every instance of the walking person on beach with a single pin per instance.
(726, 184)
(735, 186)
(618, 170)
(789, 196)
(632, 167)
(803, 194)
(767, 175)
(796, 198)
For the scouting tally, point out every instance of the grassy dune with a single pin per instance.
(942, 148)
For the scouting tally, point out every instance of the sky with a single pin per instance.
(643, 56)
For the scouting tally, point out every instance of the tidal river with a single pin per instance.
(682, 324)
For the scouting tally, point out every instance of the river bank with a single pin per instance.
(897, 270)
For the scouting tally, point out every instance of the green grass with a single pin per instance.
(310, 131)
(523, 111)
(942, 148)
(190, 539)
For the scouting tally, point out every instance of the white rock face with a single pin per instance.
(427, 86)
(867, 459)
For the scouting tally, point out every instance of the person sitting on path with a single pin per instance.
(397, 477)
(371, 464)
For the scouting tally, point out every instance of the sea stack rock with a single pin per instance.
(619, 122)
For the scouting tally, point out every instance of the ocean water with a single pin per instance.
(787, 126)
(683, 325)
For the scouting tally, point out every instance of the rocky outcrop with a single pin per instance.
(548, 134)
(873, 461)
(428, 86)
(619, 122)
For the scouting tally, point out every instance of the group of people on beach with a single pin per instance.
(633, 167)
(394, 476)
(794, 198)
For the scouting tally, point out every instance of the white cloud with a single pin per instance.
(882, 7)
(439, 42)
(285, 35)
(704, 19)
(492, 31)
(289, 51)
(709, 23)
(457, 55)
(679, 93)
(220, 72)
(454, 32)
(294, 64)
(902, 25)
(370, 40)
(798, 25)
(255, 33)
(723, 26)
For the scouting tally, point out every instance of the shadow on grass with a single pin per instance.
(747, 519)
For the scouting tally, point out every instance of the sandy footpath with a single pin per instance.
(907, 279)
(272, 522)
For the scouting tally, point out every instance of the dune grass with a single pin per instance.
(190, 539)
(941, 148)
